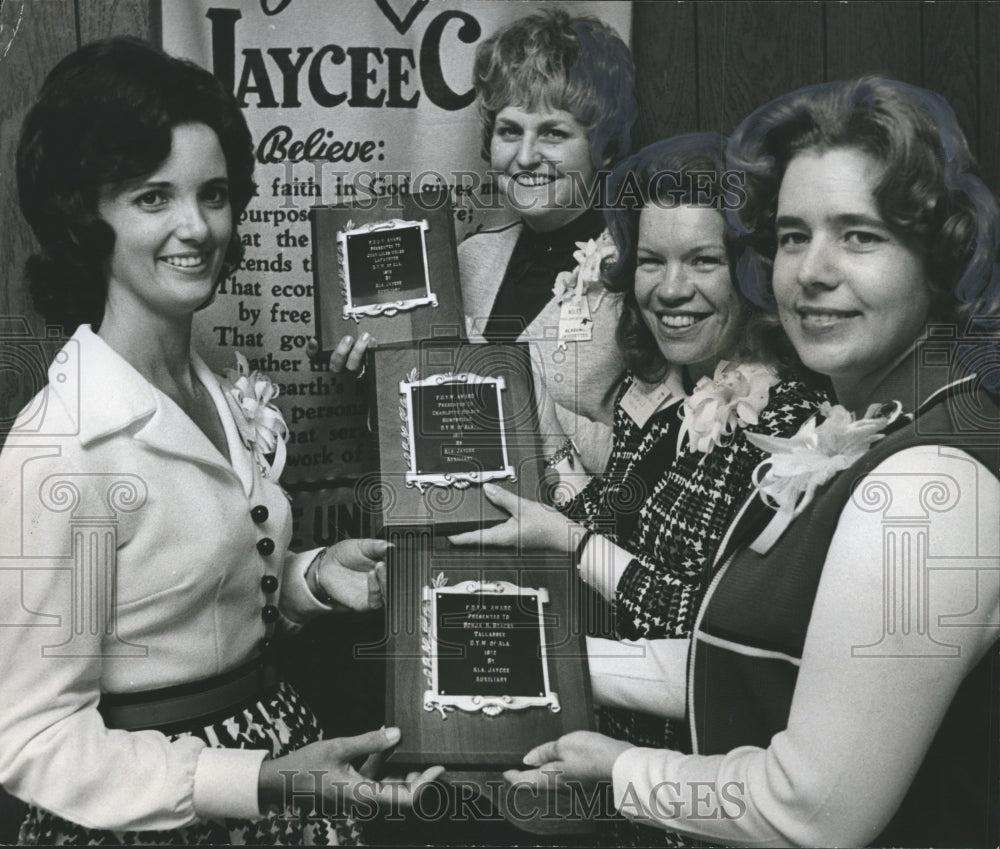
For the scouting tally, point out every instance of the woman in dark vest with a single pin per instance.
(707, 368)
(842, 680)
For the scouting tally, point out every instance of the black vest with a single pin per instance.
(765, 603)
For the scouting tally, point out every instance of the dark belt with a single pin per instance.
(190, 704)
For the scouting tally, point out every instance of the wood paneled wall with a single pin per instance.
(34, 35)
(706, 65)
(701, 65)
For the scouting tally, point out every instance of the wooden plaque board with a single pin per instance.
(474, 739)
(412, 486)
(387, 266)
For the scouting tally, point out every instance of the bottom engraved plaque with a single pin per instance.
(484, 647)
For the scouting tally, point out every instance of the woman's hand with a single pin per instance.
(531, 525)
(580, 760)
(322, 775)
(352, 573)
(348, 354)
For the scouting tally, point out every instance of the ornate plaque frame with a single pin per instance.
(389, 308)
(491, 705)
(415, 478)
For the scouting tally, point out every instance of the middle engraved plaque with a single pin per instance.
(454, 430)
(446, 417)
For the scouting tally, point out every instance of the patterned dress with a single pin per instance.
(669, 507)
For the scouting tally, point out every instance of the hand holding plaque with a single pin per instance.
(583, 758)
(531, 525)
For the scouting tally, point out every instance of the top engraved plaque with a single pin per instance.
(383, 268)
(386, 266)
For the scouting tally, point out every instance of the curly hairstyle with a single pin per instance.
(928, 194)
(104, 116)
(551, 60)
(684, 169)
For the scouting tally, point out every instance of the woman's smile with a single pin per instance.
(186, 262)
(544, 161)
(824, 318)
(172, 228)
(531, 180)
(683, 285)
(852, 295)
(679, 321)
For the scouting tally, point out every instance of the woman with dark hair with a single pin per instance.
(707, 368)
(844, 662)
(148, 571)
(555, 94)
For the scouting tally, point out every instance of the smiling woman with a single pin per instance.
(145, 495)
(172, 228)
(683, 286)
(842, 669)
(555, 95)
(544, 163)
(707, 370)
(853, 292)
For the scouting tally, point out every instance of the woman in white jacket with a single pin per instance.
(146, 562)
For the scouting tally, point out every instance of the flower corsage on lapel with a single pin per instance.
(592, 257)
(722, 404)
(261, 425)
(828, 443)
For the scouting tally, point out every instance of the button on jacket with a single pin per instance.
(132, 559)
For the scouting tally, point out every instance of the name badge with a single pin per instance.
(575, 323)
(642, 400)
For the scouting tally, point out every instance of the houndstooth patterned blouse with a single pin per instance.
(670, 506)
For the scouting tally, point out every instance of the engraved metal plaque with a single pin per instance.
(453, 430)
(485, 648)
(383, 268)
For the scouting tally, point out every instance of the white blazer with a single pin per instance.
(130, 562)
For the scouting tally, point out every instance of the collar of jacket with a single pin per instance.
(103, 395)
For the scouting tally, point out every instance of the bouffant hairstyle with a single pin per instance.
(551, 60)
(104, 116)
(683, 170)
(928, 192)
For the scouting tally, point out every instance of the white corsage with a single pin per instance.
(261, 425)
(799, 465)
(592, 257)
(722, 404)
